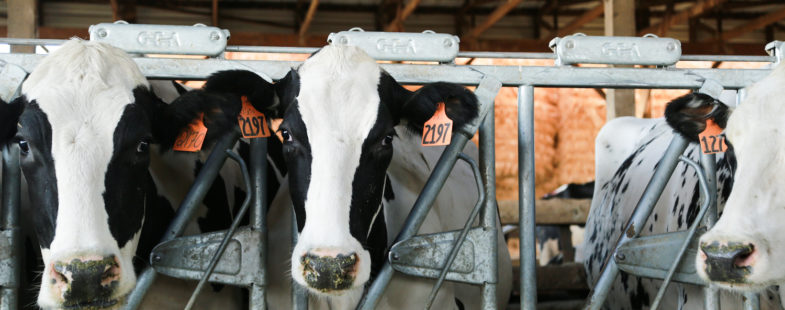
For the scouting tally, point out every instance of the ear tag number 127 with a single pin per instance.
(192, 136)
(711, 139)
(437, 130)
(252, 123)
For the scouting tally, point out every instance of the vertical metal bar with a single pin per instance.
(489, 212)
(258, 166)
(751, 301)
(417, 215)
(639, 216)
(185, 212)
(711, 296)
(528, 273)
(9, 225)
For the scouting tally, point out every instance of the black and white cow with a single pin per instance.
(86, 124)
(352, 182)
(627, 152)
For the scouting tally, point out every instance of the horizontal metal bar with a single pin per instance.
(540, 76)
(727, 58)
(516, 55)
(21, 41)
(271, 49)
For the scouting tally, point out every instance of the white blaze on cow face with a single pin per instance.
(83, 88)
(753, 215)
(339, 102)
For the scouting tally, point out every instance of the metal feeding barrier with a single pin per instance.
(243, 260)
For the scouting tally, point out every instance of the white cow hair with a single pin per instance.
(339, 102)
(754, 211)
(83, 88)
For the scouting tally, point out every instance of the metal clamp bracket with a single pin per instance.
(399, 46)
(646, 50)
(774, 49)
(161, 39)
(424, 256)
(188, 257)
(651, 257)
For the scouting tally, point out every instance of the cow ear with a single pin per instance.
(9, 118)
(286, 91)
(415, 108)
(688, 114)
(234, 84)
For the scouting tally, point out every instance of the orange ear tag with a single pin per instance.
(437, 130)
(192, 137)
(711, 139)
(252, 123)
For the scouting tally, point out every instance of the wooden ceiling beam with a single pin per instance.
(215, 13)
(696, 10)
(579, 21)
(123, 10)
(492, 19)
(400, 17)
(753, 25)
(307, 21)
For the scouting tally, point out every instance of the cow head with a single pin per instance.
(744, 251)
(84, 125)
(339, 109)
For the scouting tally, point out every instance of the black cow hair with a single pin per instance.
(9, 116)
(688, 114)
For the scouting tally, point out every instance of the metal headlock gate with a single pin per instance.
(243, 262)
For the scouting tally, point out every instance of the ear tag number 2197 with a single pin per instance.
(437, 130)
(711, 139)
(252, 123)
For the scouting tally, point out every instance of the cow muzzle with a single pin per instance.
(729, 262)
(86, 282)
(329, 272)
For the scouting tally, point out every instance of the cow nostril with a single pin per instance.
(347, 261)
(58, 276)
(744, 256)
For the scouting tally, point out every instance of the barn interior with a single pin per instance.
(566, 120)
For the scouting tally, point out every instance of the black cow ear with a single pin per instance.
(9, 117)
(234, 84)
(688, 114)
(286, 91)
(415, 108)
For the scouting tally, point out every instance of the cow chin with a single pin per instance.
(117, 285)
(743, 263)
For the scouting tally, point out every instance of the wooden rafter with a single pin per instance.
(753, 25)
(215, 13)
(307, 21)
(681, 17)
(579, 21)
(397, 23)
(495, 16)
(123, 10)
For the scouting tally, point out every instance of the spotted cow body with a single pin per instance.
(628, 150)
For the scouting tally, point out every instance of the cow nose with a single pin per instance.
(329, 272)
(729, 262)
(87, 281)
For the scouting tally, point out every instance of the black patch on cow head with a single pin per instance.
(34, 137)
(9, 116)
(688, 114)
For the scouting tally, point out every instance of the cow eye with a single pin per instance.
(387, 140)
(142, 147)
(24, 148)
(287, 137)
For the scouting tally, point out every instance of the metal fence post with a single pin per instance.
(528, 272)
(711, 296)
(258, 218)
(489, 213)
(9, 229)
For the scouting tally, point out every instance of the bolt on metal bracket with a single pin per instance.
(161, 39)
(400, 46)
(647, 50)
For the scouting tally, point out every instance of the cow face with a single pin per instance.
(339, 109)
(744, 249)
(84, 126)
